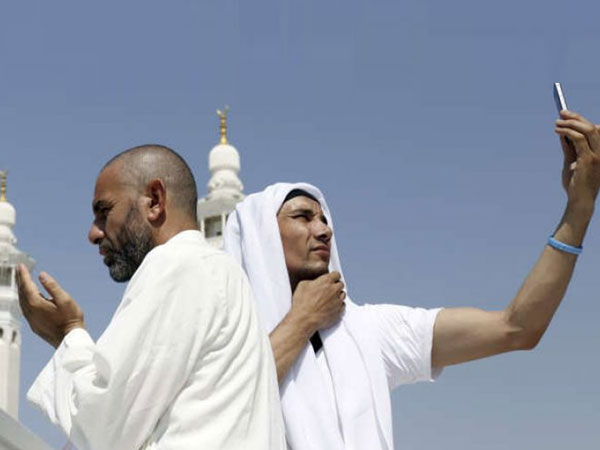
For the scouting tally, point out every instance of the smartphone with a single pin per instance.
(559, 98)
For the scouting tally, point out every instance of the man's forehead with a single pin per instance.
(108, 184)
(107, 178)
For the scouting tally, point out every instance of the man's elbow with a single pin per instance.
(525, 339)
(521, 334)
(530, 340)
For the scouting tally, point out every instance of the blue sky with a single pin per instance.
(428, 125)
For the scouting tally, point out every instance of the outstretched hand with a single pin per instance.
(581, 168)
(50, 318)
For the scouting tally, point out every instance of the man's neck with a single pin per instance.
(167, 232)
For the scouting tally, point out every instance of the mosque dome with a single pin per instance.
(8, 215)
(223, 156)
(224, 166)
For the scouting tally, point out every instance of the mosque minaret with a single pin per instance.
(224, 187)
(10, 313)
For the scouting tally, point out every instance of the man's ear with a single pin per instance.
(156, 192)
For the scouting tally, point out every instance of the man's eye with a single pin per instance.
(101, 214)
(301, 216)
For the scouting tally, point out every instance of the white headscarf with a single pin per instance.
(360, 384)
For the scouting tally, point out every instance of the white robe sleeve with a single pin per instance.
(110, 395)
(405, 337)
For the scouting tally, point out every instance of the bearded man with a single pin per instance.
(335, 391)
(184, 363)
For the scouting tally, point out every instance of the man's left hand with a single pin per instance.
(50, 318)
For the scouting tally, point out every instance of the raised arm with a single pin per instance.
(316, 305)
(464, 334)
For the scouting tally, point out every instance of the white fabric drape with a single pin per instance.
(184, 363)
(358, 375)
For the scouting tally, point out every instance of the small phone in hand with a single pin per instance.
(559, 98)
(561, 103)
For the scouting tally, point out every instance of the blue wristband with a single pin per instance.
(564, 247)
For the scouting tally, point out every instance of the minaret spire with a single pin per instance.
(3, 174)
(225, 189)
(223, 124)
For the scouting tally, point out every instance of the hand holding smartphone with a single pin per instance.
(561, 103)
(559, 98)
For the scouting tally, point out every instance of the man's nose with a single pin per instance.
(323, 232)
(95, 235)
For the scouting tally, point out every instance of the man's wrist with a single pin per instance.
(301, 323)
(574, 223)
(70, 327)
(580, 209)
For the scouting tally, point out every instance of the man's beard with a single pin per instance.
(306, 274)
(311, 273)
(134, 240)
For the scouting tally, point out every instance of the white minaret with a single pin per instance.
(224, 187)
(10, 313)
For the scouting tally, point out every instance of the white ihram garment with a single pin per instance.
(184, 363)
(373, 349)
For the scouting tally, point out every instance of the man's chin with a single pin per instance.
(118, 271)
(118, 275)
(312, 273)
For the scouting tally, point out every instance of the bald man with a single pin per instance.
(183, 364)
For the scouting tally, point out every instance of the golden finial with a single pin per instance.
(223, 124)
(3, 174)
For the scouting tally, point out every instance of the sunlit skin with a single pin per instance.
(306, 239)
(110, 207)
(130, 220)
(119, 229)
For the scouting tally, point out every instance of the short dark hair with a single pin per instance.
(299, 193)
